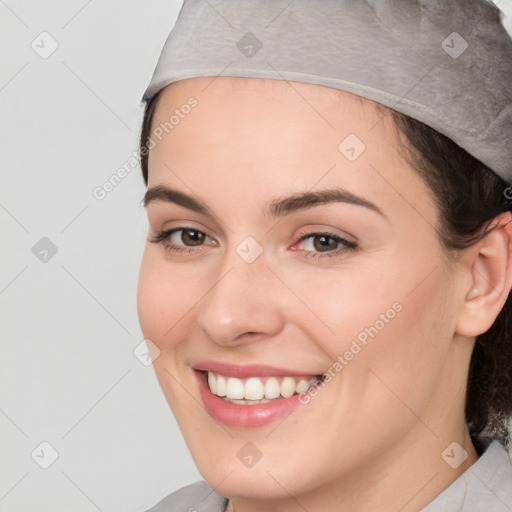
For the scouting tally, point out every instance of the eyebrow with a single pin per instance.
(277, 208)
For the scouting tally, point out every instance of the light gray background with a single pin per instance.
(68, 325)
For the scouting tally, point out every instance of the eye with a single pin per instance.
(325, 244)
(186, 240)
(181, 239)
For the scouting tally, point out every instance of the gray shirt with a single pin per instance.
(485, 486)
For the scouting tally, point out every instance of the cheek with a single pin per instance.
(400, 365)
(164, 299)
(381, 321)
(341, 305)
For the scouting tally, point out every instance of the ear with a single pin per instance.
(490, 271)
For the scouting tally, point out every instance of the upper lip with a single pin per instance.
(244, 371)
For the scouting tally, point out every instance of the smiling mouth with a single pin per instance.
(258, 390)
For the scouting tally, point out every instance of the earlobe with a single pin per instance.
(490, 268)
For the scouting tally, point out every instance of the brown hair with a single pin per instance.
(469, 196)
(145, 135)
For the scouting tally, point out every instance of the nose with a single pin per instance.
(242, 305)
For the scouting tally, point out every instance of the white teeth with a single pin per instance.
(254, 389)
(302, 385)
(221, 386)
(212, 382)
(234, 388)
(272, 389)
(288, 387)
(257, 390)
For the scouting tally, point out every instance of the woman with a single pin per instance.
(329, 259)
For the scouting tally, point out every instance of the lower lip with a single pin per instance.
(245, 416)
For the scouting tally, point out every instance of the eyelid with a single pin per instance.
(317, 229)
(159, 213)
(180, 224)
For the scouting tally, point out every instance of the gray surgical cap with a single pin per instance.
(447, 63)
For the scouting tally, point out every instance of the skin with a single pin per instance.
(373, 437)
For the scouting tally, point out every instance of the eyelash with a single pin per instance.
(347, 246)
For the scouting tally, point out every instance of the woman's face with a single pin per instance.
(303, 245)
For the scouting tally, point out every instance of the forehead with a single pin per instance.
(276, 122)
(233, 110)
(251, 88)
(274, 137)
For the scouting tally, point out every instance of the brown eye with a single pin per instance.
(191, 237)
(325, 244)
(182, 239)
